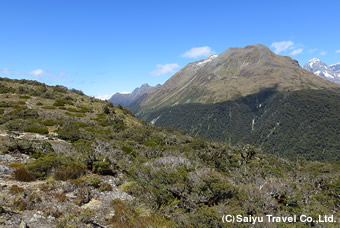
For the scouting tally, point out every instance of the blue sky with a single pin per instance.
(102, 47)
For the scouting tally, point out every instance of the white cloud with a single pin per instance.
(104, 96)
(323, 53)
(312, 50)
(297, 51)
(282, 46)
(37, 73)
(5, 71)
(164, 69)
(337, 51)
(198, 52)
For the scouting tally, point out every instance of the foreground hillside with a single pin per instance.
(68, 160)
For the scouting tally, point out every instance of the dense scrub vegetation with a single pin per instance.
(175, 180)
(290, 124)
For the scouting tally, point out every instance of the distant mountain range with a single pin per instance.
(126, 99)
(249, 95)
(331, 73)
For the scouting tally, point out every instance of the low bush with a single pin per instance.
(68, 172)
(47, 164)
(21, 174)
(102, 167)
(75, 114)
(48, 107)
(24, 97)
(92, 181)
(37, 128)
(62, 102)
(49, 122)
(15, 189)
(105, 187)
(16, 165)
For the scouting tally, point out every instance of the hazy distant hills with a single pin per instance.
(331, 73)
(250, 95)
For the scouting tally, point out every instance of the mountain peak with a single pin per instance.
(321, 69)
(314, 60)
(234, 73)
(204, 61)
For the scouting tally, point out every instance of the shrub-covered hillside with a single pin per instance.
(68, 160)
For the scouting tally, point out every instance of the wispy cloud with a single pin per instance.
(311, 51)
(323, 53)
(198, 52)
(5, 71)
(282, 46)
(164, 69)
(337, 51)
(297, 51)
(37, 72)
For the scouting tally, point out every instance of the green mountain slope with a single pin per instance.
(289, 124)
(69, 160)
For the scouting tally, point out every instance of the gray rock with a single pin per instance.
(4, 170)
(23, 225)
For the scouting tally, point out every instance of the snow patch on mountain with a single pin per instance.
(331, 73)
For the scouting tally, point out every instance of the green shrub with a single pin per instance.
(75, 114)
(105, 187)
(45, 163)
(24, 97)
(39, 103)
(60, 89)
(48, 107)
(49, 122)
(72, 109)
(21, 103)
(92, 181)
(2, 111)
(16, 165)
(37, 128)
(69, 132)
(127, 149)
(6, 104)
(83, 109)
(102, 167)
(23, 90)
(62, 102)
(64, 167)
(16, 125)
(5, 89)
